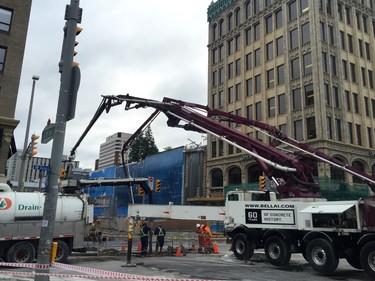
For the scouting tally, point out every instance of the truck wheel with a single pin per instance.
(62, 253)
(367, 258)
(322, 256)
(277, 251)
(21, 252)
(241, 247)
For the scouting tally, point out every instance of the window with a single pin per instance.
(333, 65)
(249, 87)
(230, 95)
(269, 27)
(331, 35)
(355, 103)
(369, 137)
(237, 17)
(306, 33)
(221, 75)
(214, 31)
(283, 128)
(267, 2)
(281, 103)
(3, 52)
(298, 131)
(230, 22)
(304, 4)
(221, 99)
(270, 78)
(249, 112)
(311, 128)
(364, 20)
(352, 73)
(359, 134)
(348, 101)
(249, 61)
(335, 97)
(269, 48)
(248, 36)
(271, 107)
(221, 28)
(307, 64)
(326, 94)
(221, 52)
(214, 78)
(294, 39)
(238, 92)
(350, 132)
(258, 111)
(342, 40)
(322, 32)
(345, 69)
(367, 110)
(279, 46)
(256, 6)
(256, 31)
(309, 94)
(213, 149)
(278, 19)
(329, 7)
(292, 11)
(248, 9)
(368, 52)
(329, 127)
(363, 72)
(358, 17)
(324, 62)
(373, 107)
(297, 99)
(280, 74)
(238, 67)
(214, 101)
(338, 130)
(230, 46)
(258, 84)
(339, 10)
(348, 15)
(295, 68)
(350, 43)
(237, 46)
(371, 79)
(5, 19)
(257, 57)
(230, 70)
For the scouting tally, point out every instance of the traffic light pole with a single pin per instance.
(64, 113)
(24, 152)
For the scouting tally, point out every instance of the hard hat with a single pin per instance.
(198, 225)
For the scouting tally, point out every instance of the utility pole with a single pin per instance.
(24, 151)
(69, 84)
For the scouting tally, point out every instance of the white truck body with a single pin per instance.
(21, 216)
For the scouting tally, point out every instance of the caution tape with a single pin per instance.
(92, 273)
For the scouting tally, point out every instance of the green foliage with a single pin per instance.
(143, 146)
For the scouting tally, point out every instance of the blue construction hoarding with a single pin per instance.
(166, 166)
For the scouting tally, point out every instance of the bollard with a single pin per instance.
(54, 251)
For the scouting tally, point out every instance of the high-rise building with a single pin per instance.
(110, 151)
(304, 66)
(14, 21)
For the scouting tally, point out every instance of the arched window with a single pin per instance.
(230, 22)
(373, 170)
(237, 17)
(253, 173)
(214, 31)
(336, 173)
(217, 178)
(235, 175)
(247, 9)
(221, 27)
(359, 166)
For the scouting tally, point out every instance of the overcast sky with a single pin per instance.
(146, 48)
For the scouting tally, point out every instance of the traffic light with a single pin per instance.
(140, 190)
(262, 182)
(158, 185)
(33, 146)
(62, 173)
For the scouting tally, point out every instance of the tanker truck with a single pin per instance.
(21, 216)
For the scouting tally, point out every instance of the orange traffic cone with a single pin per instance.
(216, 248)
(139, 245)
(123, 247)
(178, 252)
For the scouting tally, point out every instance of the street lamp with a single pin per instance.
(23, 155)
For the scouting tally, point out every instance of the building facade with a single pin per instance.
(304, 66)
(110, 151)
(14, 21)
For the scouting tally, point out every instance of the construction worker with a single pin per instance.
(207, 238)
(144, 233)
(199, 230)
(160, 232)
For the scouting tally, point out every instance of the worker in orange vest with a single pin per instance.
(204, 237)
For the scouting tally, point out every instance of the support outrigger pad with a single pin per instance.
(129, 265)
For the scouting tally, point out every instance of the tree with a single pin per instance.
(143, 146)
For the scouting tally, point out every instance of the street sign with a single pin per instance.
(40, 167)
(48, 133)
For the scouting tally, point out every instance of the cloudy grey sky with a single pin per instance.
(146, 48)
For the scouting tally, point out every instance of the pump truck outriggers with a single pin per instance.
(292, 218)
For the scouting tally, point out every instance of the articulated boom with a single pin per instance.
(298, 181)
